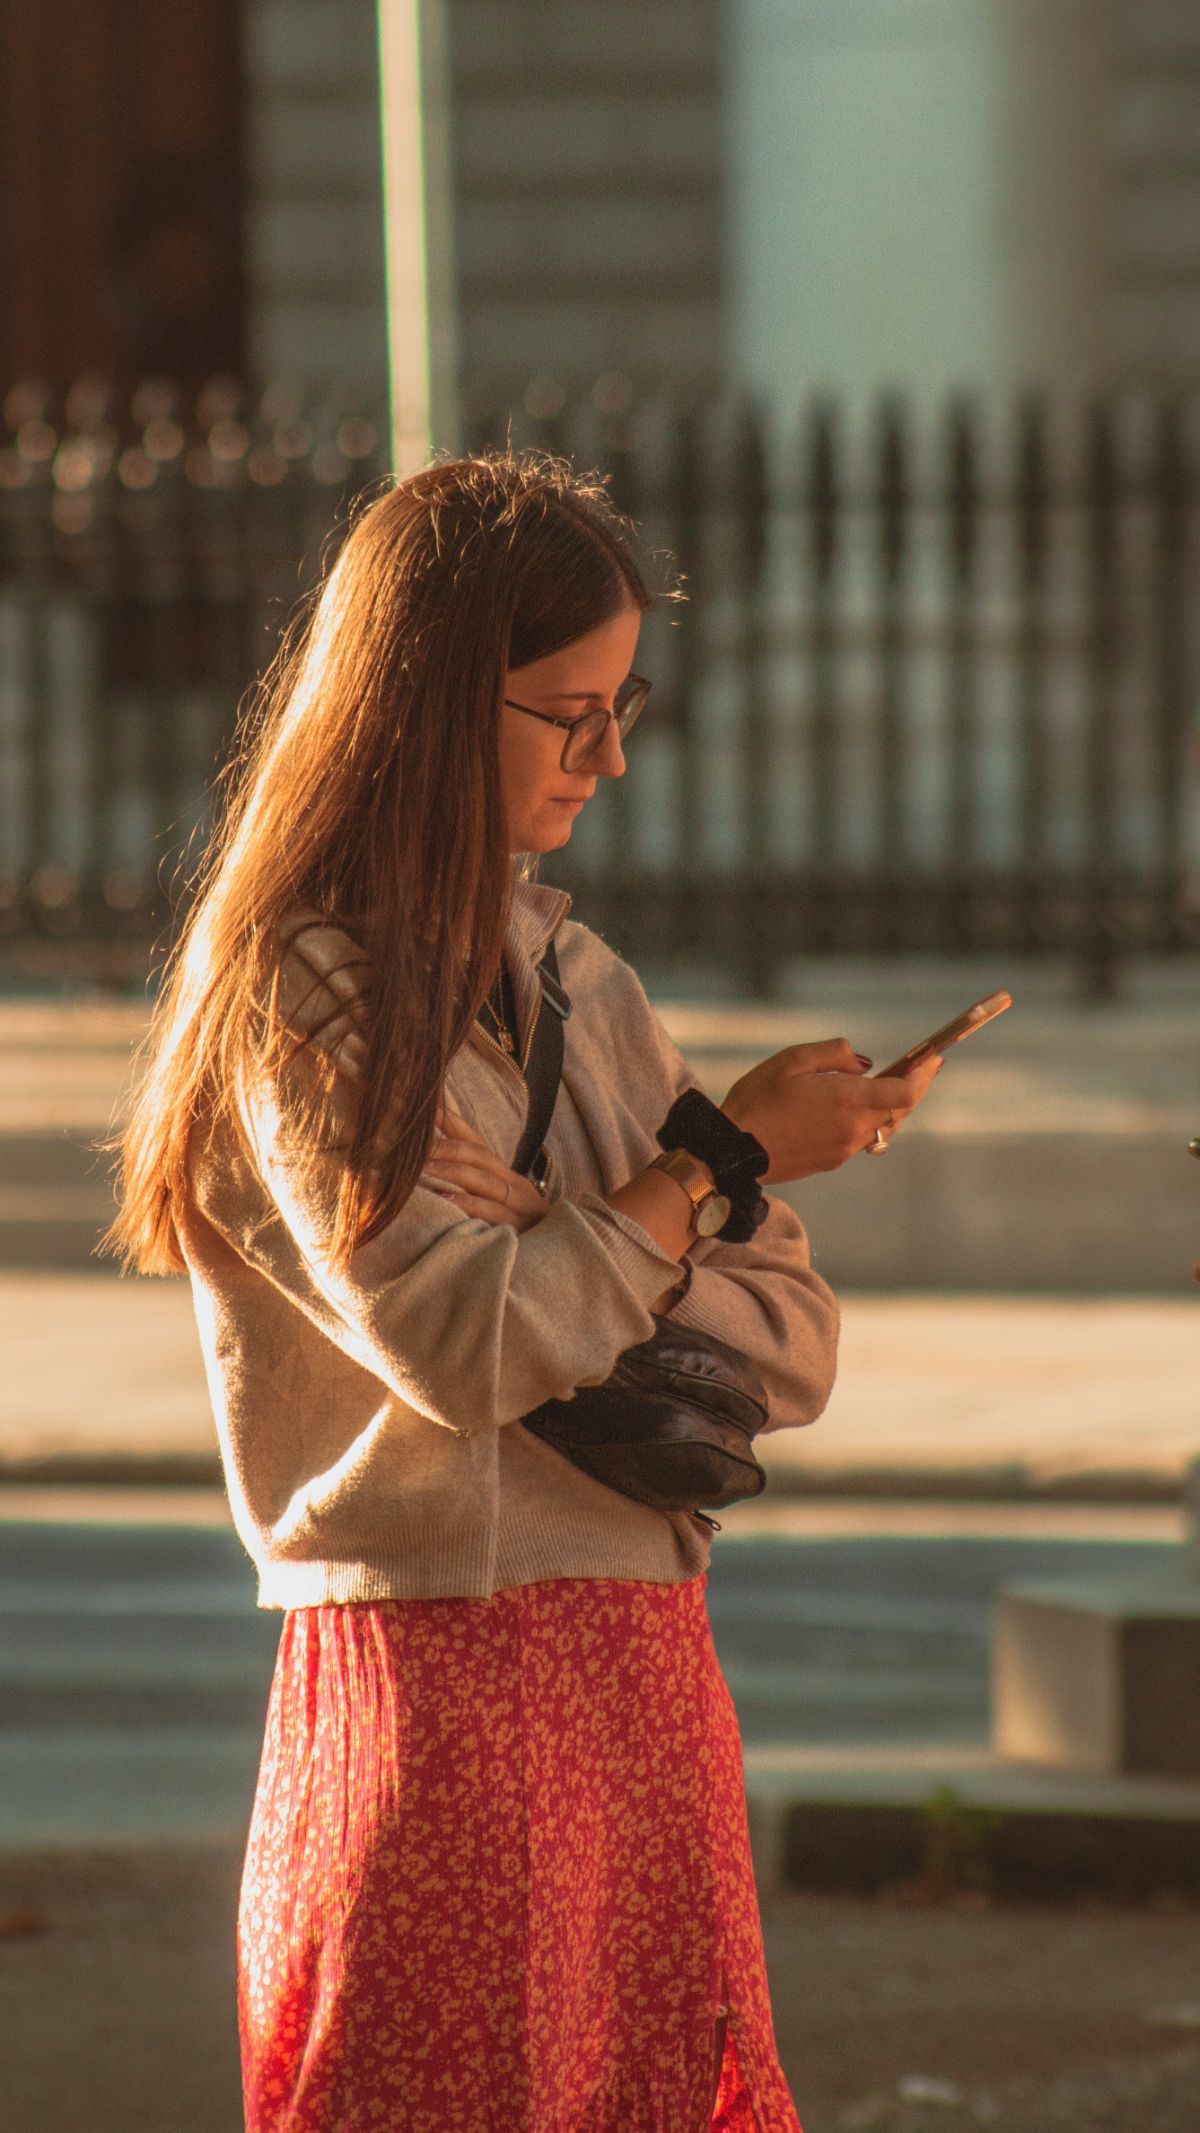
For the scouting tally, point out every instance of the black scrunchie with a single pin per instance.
(737, 1160)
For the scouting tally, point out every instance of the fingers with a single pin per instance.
(467, 1173)
(455, 1128)
(476, 1179)
(833, 1055)
(523, 1206)
(900, 1093)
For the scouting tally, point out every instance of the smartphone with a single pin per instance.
(964, 1025)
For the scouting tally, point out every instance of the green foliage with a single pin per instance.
(958, 1843)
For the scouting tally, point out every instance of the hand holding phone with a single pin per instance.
(812, 1105)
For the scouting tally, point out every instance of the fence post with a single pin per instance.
(1172, 576)
(1031, 498)
(688, 531)
(892, 503)
(1100, 947)
(962, 510)
(820, 504)
(760, 948)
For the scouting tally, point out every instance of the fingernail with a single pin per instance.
(863, 1060)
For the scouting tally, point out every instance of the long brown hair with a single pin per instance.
(366, 782)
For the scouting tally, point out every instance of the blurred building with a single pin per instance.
(587, 170)
(123, 188)
(792, 191)
(928, 193)
(190, 190)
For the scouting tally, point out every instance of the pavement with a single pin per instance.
(117, 2003)
(1050, 1159)
(935, 1395)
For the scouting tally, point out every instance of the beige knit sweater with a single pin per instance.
(368, 1424)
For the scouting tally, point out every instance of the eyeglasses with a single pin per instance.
(585, 736)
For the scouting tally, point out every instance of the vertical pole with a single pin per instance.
(688, 501)
(1031, 533)
(754, 501)
(821, 500)
(416, 159)
(1100, 766)
(1172, 580)
(892, 505)
(962, 508)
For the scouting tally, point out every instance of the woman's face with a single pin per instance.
(541, 800)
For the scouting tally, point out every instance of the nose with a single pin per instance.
(609, 758)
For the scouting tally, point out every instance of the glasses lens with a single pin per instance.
(587, 734)
(585, 737)
(630, 705)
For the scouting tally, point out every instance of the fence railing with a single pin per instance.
(932, 687)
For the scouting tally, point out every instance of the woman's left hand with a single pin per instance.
(463, 1167)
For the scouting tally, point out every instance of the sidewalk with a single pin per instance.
(978, 1396)
(888, 2019)
(1050, 1158)
(1019, 1314)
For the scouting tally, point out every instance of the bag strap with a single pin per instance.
(543, 1068)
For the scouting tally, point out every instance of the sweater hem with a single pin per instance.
(686, 1553)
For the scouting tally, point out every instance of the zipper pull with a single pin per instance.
(705, 1520)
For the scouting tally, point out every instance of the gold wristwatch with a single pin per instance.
(710, 1209)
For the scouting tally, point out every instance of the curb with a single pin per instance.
(836, 1847)
(979, 1830)
(984, 1485)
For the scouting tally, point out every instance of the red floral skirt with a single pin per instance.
(498, 1877)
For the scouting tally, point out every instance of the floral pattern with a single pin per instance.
(498, 1878)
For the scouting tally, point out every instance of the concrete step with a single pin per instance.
(964, 1818)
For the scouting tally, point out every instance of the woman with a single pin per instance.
(497, 1873)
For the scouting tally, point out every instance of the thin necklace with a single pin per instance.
(504, 1034)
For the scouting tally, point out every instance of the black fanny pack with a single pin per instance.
(674, 1425)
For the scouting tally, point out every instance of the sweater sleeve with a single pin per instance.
(469, 1323)
(764, 1296)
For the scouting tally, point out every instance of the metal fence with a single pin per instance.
(932, 688)
(150, 553)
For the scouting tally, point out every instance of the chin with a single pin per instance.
(547, 836)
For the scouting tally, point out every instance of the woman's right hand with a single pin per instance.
(813, 1106)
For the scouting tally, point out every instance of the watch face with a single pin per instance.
(713, 1215)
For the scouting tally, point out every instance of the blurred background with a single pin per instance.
(883, 317)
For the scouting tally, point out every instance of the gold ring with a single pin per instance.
(879, 1145)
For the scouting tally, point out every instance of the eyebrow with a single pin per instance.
(579, 696)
